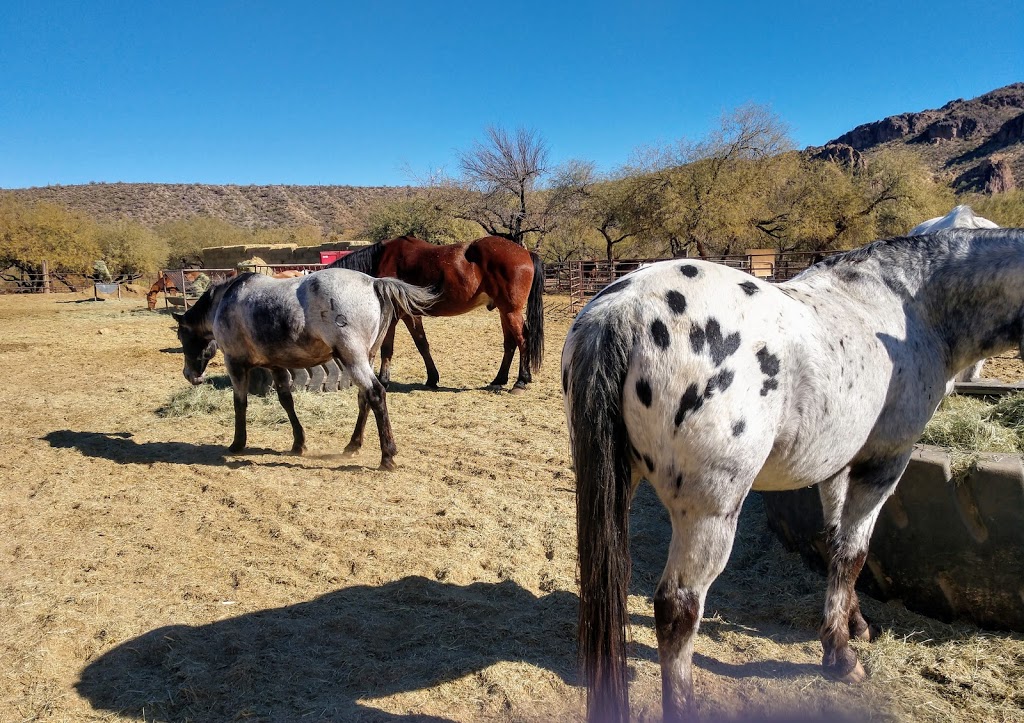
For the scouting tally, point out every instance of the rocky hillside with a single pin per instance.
(973, 145)
(339, 209)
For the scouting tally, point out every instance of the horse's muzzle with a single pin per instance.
(193, 378)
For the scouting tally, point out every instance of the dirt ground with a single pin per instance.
(148, 576)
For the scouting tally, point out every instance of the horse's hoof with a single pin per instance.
(349, 451)
(431, 384)
(299, 451)
(517, 389)
(236, 448)
(388, 465)
(850, 676)
(492, 387)
(868, 634)
(857, 675)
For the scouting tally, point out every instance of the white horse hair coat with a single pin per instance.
(961, 216)
(708, 383)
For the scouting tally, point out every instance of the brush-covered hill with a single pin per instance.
(338, 209)
(972, 145)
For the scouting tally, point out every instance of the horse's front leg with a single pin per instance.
(283, 385)
(239, 374)
(851, 502)
(419, 338)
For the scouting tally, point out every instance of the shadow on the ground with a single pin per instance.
(120, 447)
(321, 659)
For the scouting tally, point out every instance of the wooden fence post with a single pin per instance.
(46, 277)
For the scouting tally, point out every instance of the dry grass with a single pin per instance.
(967, 426)
(147, 576)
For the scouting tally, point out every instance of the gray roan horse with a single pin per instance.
(961, 216)
(708, 383)
(257, 321)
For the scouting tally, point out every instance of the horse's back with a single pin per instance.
(293, 322)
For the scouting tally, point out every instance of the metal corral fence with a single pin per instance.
(183, 286)
(16, 281)
(581, 280)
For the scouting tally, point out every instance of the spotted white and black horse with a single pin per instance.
(282, 324)
(961, 216)
(709, 383)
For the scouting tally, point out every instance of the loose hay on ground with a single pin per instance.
(147, 575)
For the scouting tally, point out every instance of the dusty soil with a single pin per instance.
(145, 575)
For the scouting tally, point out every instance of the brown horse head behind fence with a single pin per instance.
(490, 271)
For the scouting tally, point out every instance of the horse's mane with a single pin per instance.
(903, 251)
(204, 304)
(365, 259)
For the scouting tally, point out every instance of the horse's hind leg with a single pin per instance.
(419, 337)
(387, 350)
(700, 547)
(372, 395)
(283, 384)
(239, 374)
(851, 502)
(512, 331)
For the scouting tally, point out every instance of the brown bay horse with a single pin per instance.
(490, 271)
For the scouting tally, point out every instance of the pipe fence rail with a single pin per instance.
(581, 280)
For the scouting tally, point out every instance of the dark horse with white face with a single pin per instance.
(490, 271)
(708, 383)
(279, 324)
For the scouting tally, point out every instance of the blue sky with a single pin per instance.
(377, 93)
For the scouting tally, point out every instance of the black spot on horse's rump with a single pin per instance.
(768, 362)
(769, 385)
(697, 338)
(679, 481)
(676, 301)
(690, 402)
(614, 288)
(650, 463)
(720, 381)
(314, 286)
(720, 347)
(659, 332)
(689, 270)
(738, 428)
(749, 287)
(643, 392)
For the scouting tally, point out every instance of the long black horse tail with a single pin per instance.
(595, 363)
(535, 317)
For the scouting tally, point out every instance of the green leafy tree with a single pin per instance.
(186, 239)
(131, 250)
(307, 235)
(424, 216)
(31, 234)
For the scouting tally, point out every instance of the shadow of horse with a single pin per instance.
(321, 659)
(120, 447)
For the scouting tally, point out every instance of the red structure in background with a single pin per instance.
(329, 257)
